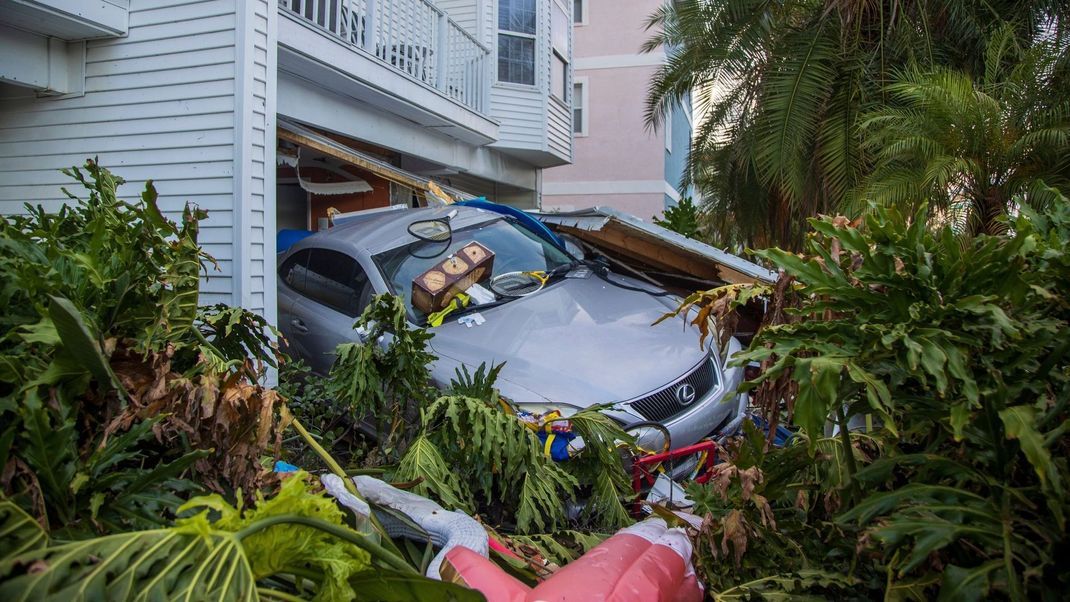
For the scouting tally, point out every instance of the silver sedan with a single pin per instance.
(585, 337)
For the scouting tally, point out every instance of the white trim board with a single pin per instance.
(617, 61)
(610, 187)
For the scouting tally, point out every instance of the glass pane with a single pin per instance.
(559, 27)
(293, 271)
(516, 59)
(577, 11)
(332, 280)
(517, 15)
(559, 78)
(577, 108)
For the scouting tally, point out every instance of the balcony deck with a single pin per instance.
(412, 37)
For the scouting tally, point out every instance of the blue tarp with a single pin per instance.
(523, 217)
(286, 238)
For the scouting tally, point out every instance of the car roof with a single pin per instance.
(383, 230)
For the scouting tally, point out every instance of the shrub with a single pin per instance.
(956, 352)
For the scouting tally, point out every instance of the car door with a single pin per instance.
(291, 283)
(332, 293)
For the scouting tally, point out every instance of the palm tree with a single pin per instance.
(974, 148)
(783, 84)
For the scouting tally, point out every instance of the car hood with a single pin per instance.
(578, 342)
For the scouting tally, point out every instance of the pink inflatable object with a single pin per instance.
(647, 562)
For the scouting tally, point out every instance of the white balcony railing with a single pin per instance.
(414, 37)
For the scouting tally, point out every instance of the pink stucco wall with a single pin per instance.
(618, 144)
(613, 27)
(618, 147)
(644, 206)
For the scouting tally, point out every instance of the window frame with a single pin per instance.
(288, 266)
(583, 82)
(667, 128)
(358, 291)
(516, 34)
(561, 54)
(583, 13)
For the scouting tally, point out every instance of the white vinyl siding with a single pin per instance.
(529, 120)
(255, 247)
(463, 12)
(160, 104)
(559, 130)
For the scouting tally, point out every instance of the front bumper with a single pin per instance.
(711, 412)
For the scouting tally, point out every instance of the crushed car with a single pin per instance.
(571, 331)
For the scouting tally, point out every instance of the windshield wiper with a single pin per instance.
(473, 306)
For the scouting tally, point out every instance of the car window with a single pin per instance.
(333, 279)
(293, 270)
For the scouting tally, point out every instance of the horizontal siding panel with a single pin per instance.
(145, 48)
(208, 169)
(217, 206)
(118, 98)
(559, 130)
(140, 7)
(215, 289)
(168, 31)
(189, 11)
(175, 60)
(140, 142)
(119, 160)
(48, 191)
(190, 124)
(188, 75)
(147, 110)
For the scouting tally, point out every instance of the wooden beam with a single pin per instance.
(656, 253)
(394, 175)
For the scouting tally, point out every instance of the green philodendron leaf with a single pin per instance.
(960, 417)
(188, 562)
(1020, 422)
(198, 559)
(391, 586)
(19, 532)
(43, 332)
(819, 382)
(80, 342)
(966, 585)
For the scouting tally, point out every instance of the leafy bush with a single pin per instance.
(279, 548)
(113, 385)
(388, 384)
(682, 218)
(956, 350)
(474, 453)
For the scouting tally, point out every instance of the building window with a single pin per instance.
(560, 27)
(579, 12)
(579, 106)
(516, 41)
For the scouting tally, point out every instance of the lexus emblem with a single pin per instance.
(685, 394)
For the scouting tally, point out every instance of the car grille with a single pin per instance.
(663, 405)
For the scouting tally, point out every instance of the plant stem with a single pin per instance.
(848, 451)
(358, 539)
(336, 469)
(845, 439)
(332, 465)
(1014, 588)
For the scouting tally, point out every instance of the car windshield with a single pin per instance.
(515, 248)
